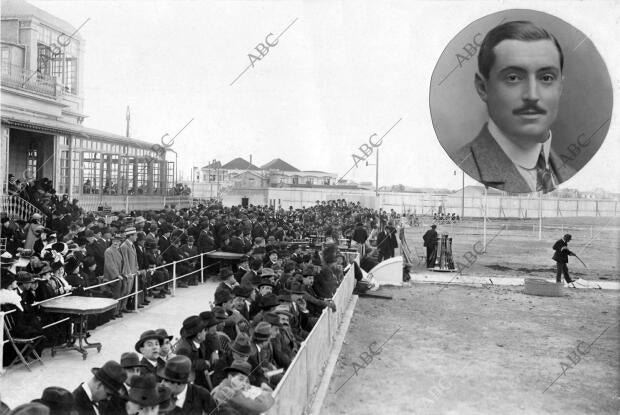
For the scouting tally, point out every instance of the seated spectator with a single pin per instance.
(148, 346)
(193, 335)
(165, 350)
(132, 366)
(190, 399)
(59, 400)
(234, 391)
(143, 397)
(106, 382)
(239, 350)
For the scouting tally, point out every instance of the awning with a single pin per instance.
(59, 127)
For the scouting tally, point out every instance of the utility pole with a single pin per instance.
(377, 175)
(127, 119)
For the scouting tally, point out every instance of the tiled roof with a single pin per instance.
(279, 164)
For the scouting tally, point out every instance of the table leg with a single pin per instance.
(79, 333)
(90, 345)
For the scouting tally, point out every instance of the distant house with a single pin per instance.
(276, 173)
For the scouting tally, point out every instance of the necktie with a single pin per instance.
(544, 180)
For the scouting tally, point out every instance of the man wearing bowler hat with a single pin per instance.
(261, 358)
(112, 269)
(230, 393)
(251, 277)
(130, 362)
(165, 351)
(131, 365)
(193, 335)
(228, 280)
(59, 400)
(188, 399)
(129, 268)
(561, 258)
(239, 350)
(148, 346)
(106, 381)
(143, 397)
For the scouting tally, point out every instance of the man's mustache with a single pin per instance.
(529, 109)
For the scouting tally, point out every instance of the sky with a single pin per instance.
(341, 72)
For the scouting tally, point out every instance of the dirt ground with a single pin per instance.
(467, 350)
(517, 252)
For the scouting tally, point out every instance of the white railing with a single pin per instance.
(17, 208)
(136, 292)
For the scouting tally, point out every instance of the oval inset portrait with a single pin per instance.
(521, 100)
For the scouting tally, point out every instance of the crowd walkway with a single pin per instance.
(68, 370)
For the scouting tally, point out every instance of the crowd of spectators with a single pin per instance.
(446, 217)
(229, 357)
(42, 195)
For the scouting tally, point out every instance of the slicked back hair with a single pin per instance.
(517, 30)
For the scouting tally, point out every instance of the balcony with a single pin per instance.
(17, 77)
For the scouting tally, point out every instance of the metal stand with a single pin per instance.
(444, 262)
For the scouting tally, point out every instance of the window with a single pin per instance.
(156, 177)
(57, 56)
(170, 175)
(111, 185)
(105, 172)
(142, 176)
(295, 179)
(91, 167)
(6, 61)
(130, 169)
(44, 58)
(76, 169)
(31, 164)
(64, 172)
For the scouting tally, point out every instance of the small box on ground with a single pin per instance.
(539, 286)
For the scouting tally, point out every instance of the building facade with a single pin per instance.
(42, 115)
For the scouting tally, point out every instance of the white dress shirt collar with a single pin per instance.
(526, 158)
(181, 397)
(89, 393)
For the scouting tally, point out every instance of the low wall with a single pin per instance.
(138, 202)
(296, 390)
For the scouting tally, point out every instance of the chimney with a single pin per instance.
(250, 159)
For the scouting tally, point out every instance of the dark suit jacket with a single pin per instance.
(484, 160)
(561, 255)
(141, 257)
(163, 243)
(236, 245)
(430, 238)
(83, 404)
(199, 359)
(198, 400)
(325, 283)
(150, 368)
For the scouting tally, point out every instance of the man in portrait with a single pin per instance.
(519, 78)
